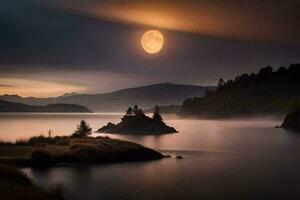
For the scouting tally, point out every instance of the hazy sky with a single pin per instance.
(48, 48)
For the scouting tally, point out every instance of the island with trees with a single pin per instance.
(136, 122)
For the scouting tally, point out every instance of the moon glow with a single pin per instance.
(152, 41)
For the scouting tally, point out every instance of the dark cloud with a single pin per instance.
(41, 39)
(267, 20)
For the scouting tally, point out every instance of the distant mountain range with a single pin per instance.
(144, 96)
(6, 106)
(267, 92)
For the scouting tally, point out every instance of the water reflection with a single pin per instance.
(222, 159)
(198, 176)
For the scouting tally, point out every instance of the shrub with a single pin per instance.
(82, 152)
(62, 141)
(84, 141)
(21, 142)
(41, 158)
(40, 140)
(4, 143)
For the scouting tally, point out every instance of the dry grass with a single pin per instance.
(42, 152)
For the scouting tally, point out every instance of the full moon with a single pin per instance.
(152, 41)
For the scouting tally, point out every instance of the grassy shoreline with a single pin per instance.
(47, 151)
(43, 152)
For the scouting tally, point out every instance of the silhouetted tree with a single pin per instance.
(49, 133)
(129, 111)
(135, 109)
(221, 82)
(266, 70)
(83, 129)
(156, 115)
(156, 109)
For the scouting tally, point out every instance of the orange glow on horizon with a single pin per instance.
(36, 88)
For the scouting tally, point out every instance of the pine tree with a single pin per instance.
(83, 129)
(135, 109)
(129, 111)
(156, 116)
(221, 82)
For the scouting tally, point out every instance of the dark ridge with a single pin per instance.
(265, 93)
(145, 96)
(6, 106)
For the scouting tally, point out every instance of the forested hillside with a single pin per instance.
(265, 93)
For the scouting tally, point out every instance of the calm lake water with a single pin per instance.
(234, 159)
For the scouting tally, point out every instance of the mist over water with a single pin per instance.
(239, 159)
(24, 125)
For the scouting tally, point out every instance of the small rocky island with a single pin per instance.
(292, 120)
(136, 122)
